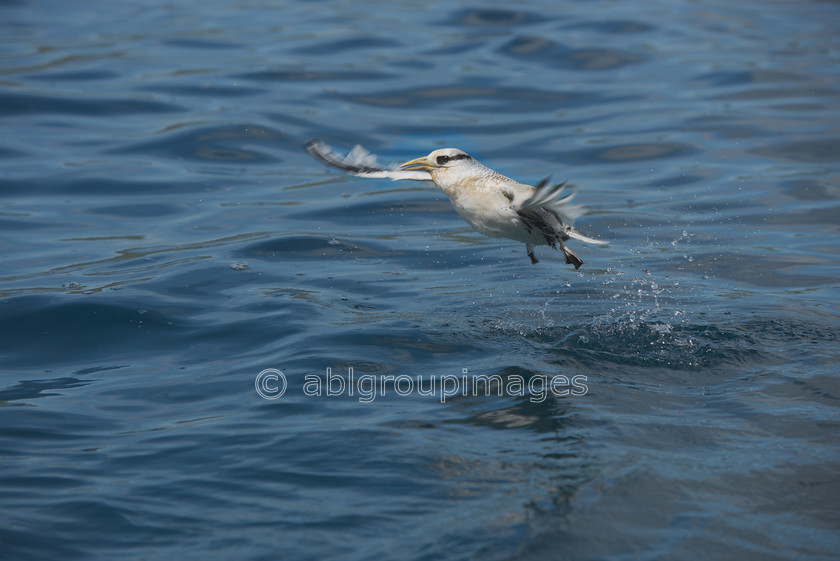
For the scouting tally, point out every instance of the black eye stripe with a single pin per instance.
(441, 160)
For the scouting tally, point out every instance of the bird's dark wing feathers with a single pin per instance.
(551, 198)
(546, 192)
(549, 212)
(536, 218)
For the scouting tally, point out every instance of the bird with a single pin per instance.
(495, 205)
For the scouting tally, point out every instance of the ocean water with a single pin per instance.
(214, 347)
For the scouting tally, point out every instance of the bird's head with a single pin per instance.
(439, 160)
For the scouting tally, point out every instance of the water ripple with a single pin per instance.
(19, 104)
(547, 52)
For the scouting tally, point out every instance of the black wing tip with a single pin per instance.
(319, 149)
(315, 146)
(546, 181)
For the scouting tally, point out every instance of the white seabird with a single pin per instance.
(493, 204)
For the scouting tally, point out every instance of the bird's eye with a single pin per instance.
(442, 160)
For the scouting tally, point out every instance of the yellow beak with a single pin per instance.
(417, 164)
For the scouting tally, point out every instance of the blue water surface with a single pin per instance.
(172, 259)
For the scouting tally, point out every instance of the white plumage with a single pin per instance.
(493, 204)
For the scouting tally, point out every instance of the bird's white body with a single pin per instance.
(493, 204)
(486, 199)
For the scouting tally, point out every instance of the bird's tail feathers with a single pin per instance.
(572, 233)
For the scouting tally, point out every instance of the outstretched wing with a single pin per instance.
(551, 212)
(361, 163)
